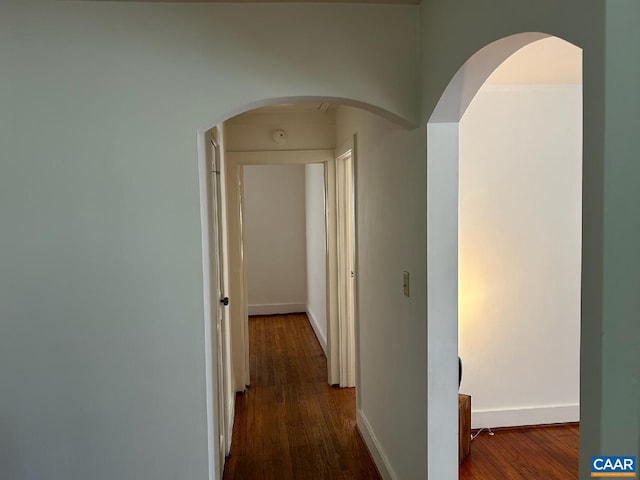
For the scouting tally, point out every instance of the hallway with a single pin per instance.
(290, 424)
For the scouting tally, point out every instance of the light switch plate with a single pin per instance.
(405, 283)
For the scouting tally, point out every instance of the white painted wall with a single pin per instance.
(520, 252)
(275, 238)
(316, 235)
(391, 238)
(101, 298)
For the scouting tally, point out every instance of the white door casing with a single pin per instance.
(234, 165)
(223, 300)
(214, 314)
(346, 269)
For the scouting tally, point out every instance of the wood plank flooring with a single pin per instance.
(539, 453)
(290, 424)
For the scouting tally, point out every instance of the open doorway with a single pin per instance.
(388, 315)
(295, 240)
(515, 193)
(274, 238)
(520, 239)
(294, 137)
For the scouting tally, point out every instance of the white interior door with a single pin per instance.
(346, 268)
(219, 303)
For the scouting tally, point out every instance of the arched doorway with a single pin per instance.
(443, 182)
(236, 361)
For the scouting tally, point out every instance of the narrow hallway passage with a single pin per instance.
(290, 424)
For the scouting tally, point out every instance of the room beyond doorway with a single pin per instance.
(520, 239)
(443, 205)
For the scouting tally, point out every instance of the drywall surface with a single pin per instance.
(275, 238)
(316, 235)
(101, 331)
(621, 329)
(519, 253)
(391, 238)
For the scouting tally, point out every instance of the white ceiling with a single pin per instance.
(550, 60)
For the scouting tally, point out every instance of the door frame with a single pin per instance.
(344, 353)
(234, 165)
(215, 326)
(224, 382)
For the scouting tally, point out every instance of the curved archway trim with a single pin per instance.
(349, 102)
(465, 84)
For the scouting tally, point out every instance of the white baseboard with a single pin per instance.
(277, 308)
(516, 417)
(316, 328)
(370, 440)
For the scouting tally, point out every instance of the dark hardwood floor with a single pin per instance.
(538, 453)
(290, 424)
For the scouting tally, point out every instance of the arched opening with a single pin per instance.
(318, 99)
(506, 210)
(239, 148)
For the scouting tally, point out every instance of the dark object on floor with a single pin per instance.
(464, 427)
